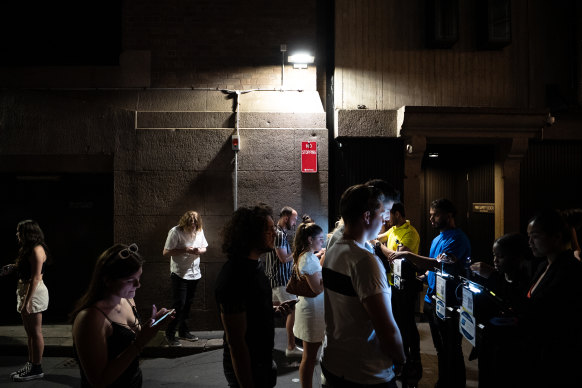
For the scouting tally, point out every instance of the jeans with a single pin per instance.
(447, 342)
(182, 294)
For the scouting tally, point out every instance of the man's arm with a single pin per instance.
(423, 263)
(283, 256)
(281, 248)
(379, 309)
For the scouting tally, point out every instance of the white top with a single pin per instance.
(309, 323)
(351, 274)
(185, 265)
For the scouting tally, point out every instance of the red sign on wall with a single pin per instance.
(308, 156)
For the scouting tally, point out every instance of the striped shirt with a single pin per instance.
(277, 272)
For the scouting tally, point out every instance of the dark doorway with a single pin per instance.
(465, 175)
(360, 159)
(75, 211)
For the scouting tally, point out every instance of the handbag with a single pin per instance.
(298, 285)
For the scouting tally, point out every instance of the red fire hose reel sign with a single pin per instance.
(308, 156)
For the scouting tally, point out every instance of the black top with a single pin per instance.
(119, 340)
(242, 286)
(552, 322)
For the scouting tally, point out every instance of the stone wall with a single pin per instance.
(169, 156)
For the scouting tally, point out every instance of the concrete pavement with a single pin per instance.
(197, 364)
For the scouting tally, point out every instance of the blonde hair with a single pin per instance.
(190, 218)
(301, 241)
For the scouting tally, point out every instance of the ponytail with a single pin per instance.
(301, 241)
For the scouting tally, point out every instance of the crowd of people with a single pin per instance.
(358, 319)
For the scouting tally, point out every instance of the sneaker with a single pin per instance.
(188, 336)
(21, 370)
(173, 341)
(295, 352)
(33, 372)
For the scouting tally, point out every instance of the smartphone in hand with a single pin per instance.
(167, 314)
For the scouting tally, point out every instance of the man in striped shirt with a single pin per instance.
(278, 263)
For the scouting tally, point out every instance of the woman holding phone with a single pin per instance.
(108, 335)
(32, 294)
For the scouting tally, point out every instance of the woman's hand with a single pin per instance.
(482, 269)
(148, 329)
(7, 269)
(285, 308)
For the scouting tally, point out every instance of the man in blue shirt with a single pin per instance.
(451, 249)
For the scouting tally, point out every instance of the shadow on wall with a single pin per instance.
(210, 192)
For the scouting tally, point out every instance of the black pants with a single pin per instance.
(403, 306)
(447, 342)
(182, 294)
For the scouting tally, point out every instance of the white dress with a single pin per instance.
(309, 319)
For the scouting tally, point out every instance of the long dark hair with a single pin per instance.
(301, 241)
(110, 266)
(30, 236)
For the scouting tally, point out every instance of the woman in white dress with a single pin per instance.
(309, 321)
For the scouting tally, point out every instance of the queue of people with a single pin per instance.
(360, 312)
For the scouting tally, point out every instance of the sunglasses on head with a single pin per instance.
(130, 250)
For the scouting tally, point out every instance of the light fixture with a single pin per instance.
(433, 154)
(301, 60)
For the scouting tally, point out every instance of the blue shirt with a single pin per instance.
(454, 242)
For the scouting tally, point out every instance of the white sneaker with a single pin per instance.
(295, 352)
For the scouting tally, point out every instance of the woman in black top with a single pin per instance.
(554, 306)
(243, 295)
(107, 333)
(32, 294)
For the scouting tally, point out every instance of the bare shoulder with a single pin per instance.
(89, 322)
(39, 253)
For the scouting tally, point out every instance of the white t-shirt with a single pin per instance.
(185, 265)
(351, 274)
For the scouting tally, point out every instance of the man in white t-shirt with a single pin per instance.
(184, 245)
(364, 345)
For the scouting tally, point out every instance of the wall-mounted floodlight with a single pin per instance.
(301, 60)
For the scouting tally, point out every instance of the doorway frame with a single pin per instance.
(509, 130)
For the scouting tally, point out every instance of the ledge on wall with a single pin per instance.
(472, 123)
(214, 109)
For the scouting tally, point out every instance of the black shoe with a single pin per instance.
(173, 341)
(21, 370)
(32, 372)
(188, 336)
